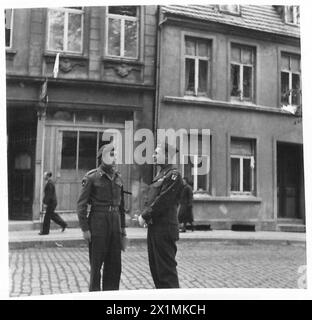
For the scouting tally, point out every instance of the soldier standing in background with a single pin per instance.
(161, 217)
(104, 227)
(49, 204)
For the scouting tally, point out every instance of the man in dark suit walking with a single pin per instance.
(160, 215)
(50, 203)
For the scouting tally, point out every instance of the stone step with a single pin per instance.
(291, 227)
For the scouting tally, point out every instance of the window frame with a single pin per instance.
(122, 33)
(225, 9)
(295, 13)
(66, 11)
(11, 29)
(241, 65)
(195, 163)
(290, 73)
(197, 58)
(241, 175)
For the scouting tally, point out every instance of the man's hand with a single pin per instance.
(142, 222)
(87, 235)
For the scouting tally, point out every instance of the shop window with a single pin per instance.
(232, 9)
(290, 79)
(65, 29)
(8, 27)
(197, 66)
(242, 166)
(292, 14)
(122, 27)
(196, 162)
(242, 72)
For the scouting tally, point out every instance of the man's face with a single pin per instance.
(110, 158)
(45, 176)
(159, 156)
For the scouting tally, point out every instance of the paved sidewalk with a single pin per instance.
(73, 237)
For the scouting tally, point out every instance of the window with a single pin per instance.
(8, 27)
(242, 72)
(290, 80)
(197, 66)
(122, 29)
(79, 149)
(65, 29)
(242, 166)
(233, 8)
(196, 161)
(292, 14)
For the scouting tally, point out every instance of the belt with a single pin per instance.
(105, 207)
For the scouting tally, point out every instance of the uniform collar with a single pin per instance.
(102, 172)
(163, 171)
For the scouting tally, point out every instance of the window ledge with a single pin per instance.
(123, 60)
(207, 102)
(209, 198)
(64, 55)
(10, 53)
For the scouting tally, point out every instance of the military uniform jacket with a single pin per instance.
(49, 198)
(163, 197)
(100, 191)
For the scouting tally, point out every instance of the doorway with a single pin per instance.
(21, 132)
(290, 181)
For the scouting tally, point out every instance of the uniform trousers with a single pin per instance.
(105, 251)
(51, 215)
(162, 249)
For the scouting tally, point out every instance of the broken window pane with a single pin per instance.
(285, 87)
(235, 174)
(246, 175)
(285, 62)
(74, 32)
(235, 79)
(131, 37)
(189, 74)
(56, 31)
(114, 27)
(202, 76)
(247, 84)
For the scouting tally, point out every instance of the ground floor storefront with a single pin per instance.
(63, 136)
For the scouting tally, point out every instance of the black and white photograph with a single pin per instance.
(152, 147)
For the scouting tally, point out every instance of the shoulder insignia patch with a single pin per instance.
(174, 176)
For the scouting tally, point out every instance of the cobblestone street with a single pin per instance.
(37, 271)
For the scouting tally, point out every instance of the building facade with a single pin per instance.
(71, 73)
(235, 71)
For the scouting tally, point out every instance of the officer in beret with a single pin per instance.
(104, 226)
(160, 215)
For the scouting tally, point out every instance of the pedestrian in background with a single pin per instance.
(160, 215)
(49, 205)
(104, 227)
(185, 214)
